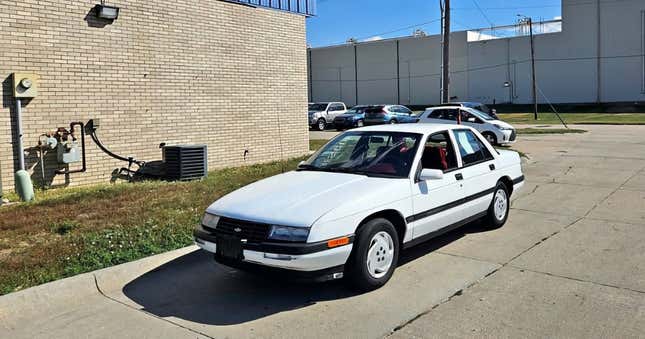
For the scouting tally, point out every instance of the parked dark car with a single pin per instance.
(389, 114)
(476, 105)
(355, 117)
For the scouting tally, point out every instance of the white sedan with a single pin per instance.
(497, 132)
(349, 209)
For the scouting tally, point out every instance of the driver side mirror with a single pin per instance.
(430, 174)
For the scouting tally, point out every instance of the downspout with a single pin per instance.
(21, 152)
(599, 52)
(398, 75)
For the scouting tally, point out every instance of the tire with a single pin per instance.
(393, 122)
(360, 123)
(321, 124)
(499, 208)
(339, 129)
(492, 139)
(374, 257)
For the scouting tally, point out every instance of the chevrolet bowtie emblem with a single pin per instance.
(237, 230)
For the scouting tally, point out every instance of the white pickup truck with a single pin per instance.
(357, 202)
(322, 114)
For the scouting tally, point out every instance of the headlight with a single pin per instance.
(210, 220)
(503, 128)
(292, 234)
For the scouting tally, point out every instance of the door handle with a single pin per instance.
(459, 176)
(492, 167)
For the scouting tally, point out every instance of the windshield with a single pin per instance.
(481, 114)
(383, 154)
(317, 107)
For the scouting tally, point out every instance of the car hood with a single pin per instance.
(314, 112)
(501, 124)
(299, 198)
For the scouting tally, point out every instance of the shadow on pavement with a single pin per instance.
(195, 288)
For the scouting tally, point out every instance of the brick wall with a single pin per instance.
(175, 71)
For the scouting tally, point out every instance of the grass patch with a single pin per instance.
(316, 144)
(525, 131)
(75, 230)
(576, 118)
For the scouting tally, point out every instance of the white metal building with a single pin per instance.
(596, 55)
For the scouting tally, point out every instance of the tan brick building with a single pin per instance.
(211, 72)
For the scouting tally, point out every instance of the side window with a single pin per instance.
(405, 110)
(336, 107)
(436, 114)
(471, 148)
(451, 114)
(395, 109)
(439, 153)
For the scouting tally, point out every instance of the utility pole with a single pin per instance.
(535, 104)
(445, 59)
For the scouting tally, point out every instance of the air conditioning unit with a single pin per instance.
(185, 162)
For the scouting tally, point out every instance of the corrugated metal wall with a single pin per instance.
(598, 56)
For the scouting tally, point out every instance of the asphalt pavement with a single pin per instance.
(570, 262)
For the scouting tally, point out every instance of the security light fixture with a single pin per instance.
(104, 11)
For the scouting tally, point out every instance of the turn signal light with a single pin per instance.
(338, 242)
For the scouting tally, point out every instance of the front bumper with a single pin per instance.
(508, 137)
(344, 123)
(296, 257)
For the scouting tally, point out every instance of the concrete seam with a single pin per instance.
(98, 288)
(576, 279)
(460, 292)
(612, 192)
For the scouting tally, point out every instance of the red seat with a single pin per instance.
(435, 158)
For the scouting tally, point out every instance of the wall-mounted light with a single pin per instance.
(104, 11)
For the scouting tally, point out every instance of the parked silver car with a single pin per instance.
(322, 114)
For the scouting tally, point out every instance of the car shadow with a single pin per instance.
(195, 288)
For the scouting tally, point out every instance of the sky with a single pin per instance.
(339, 20)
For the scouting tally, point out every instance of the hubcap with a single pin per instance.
(490, 138)
(321, 125)
(380, 254)
(359, 123)
(392, 122)
(500, 204)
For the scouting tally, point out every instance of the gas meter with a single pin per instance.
(68, 148)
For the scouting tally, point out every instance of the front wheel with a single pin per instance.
(321, 124)
(499, 207)
(392, 122)
(374, 256)
(360, 123)
(492, 139)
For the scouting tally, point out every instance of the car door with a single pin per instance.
(471, 120)
(477, 172)
(434, 200)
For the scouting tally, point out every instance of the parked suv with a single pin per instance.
(495, 131)
(355, 117)
(323, 113)
(476, 105)
(389, 114)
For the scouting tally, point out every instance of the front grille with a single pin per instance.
(513, 136)
(253, 232)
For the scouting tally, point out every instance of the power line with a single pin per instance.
(390, 32)
(483, 14)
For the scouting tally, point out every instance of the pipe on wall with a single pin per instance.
(21, 152)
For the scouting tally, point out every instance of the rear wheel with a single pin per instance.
(374, 256)
(360, 123)
(499, 207)
(321, 124)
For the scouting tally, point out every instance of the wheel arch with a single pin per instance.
(508, 182)
(393, 216)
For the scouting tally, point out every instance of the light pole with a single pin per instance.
(445, 58)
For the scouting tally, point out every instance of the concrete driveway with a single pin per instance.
(569, 263)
